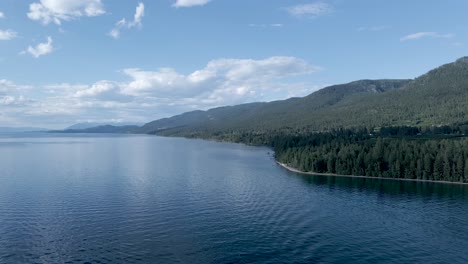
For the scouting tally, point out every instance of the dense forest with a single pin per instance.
(402, 152)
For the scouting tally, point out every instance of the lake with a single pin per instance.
(146, 199)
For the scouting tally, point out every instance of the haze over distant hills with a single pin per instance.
(101, 129)
(86, 125)
(21, 129)
(436, 98)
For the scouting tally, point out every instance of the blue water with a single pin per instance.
(146, 199)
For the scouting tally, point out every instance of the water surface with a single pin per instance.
(146, 199)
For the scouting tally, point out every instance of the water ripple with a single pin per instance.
(157, 200)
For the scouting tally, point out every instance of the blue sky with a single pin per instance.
(69, 61)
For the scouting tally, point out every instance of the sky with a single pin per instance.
(70, 61)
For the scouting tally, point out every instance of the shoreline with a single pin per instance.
(294, 170)
(291, 169)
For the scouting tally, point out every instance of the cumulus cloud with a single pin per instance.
(231, 77)
(139, 13)
(56, 11)
(2, 15)
(103, 91)
(123, 23)
(273, 25)
(7, 34)
(13, 101)
(190, 3)
(422, 35)
(310, 10)
(8, 87)
(148, 95)
(41, 48)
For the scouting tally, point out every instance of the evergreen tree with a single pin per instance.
(466, 171)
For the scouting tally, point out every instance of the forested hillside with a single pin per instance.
(439, 97)
(293, 112)
(409, 153)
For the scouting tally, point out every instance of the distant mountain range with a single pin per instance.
(437, 98)
(100, 129)
(21, 129)
(86, 125)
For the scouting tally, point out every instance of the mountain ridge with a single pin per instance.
(437, 97)
(323, 98)
(100, 129)
(86, 125)
(21, 129)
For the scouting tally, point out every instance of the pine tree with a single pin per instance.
(447, 169)
(459, 167)
(438, 168)
(427, 174)
(419, 169)
(466, 171)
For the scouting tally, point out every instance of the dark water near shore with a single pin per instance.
(143, 199)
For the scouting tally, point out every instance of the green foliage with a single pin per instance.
(359, 154)
(437, 98)
(297, 113)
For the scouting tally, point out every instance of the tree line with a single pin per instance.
(424, 157)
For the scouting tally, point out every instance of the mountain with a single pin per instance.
(100, 129)
(275, 114)
(200, 118)
(21, 129)
(86, 125)
(438, 97)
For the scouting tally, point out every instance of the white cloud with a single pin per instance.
(7, 34)
(421, 35)
(310, 10)
(14, 101)
(190, 3)
(136, 22)
(56, 11)
(115, 32)
(374, 28)
(41, 48)
(231, 77)
(274, 25)
(8, 87)
(139, 13)
(96, 89)
(2, 15)
(103, 91)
